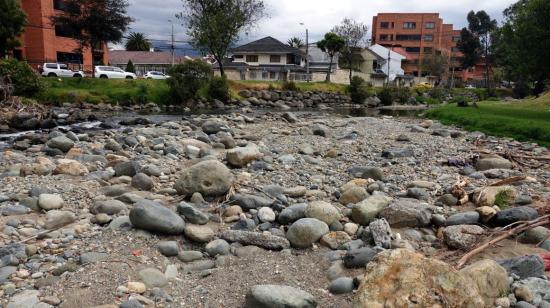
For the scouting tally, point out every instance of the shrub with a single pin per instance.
(422, 88)
(402, 94)
(289, 86)
(187, 78)
(218, 88)
(438, 93)
(25, 81)
(386, 96)
(130, 67)
(359, 90)
(521, 89)
(460, 101)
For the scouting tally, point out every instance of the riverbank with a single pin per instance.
(168, 213)
(524, 120)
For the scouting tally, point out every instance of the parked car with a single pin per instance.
(59, 70)
(155, 75)
(111, 72)
(469, 87)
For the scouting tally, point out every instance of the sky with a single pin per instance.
(152, 16)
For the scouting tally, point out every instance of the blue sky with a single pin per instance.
(319, 15)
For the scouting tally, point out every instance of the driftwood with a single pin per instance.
(510, 180)
(520, 227)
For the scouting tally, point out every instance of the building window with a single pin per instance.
(412, 49)
(386, 37)
(385, 25)
(251, 58)
(456, 38)
(430, 25)
(407, 37)
(67, 57)
(272, 75)
(64, 31)
(265, 75)
(409, 25)
(428, 49)
(274, 59)
(428, 38)
(238, 56)
(60, 5)
(455, 49)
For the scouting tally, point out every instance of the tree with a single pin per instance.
(436, 64)
(13, 21)
(94, 22)
(295, 42)
(214, 25)
(187, 78)
(521, 45)
(137, 41)
(480, 28)
(331, 45)
(130, 67)
(354, 34)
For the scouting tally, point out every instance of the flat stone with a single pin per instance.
(192, 214)
(274, 296)
(168, 248)
(264, 240)
(462, 236)
(152, 277)
(152, 216)
(198, 233)
(306, 231)
(92, 257)
(524, 266)
(341, 285)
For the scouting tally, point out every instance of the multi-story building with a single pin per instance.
(419, 35)
(43, 41)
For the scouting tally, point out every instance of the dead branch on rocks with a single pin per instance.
(521, 227)
(510, 180)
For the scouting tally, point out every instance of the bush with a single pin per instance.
(521, 89)
(386, 96)
(422, 88)
(439, 94)
(402, 94)
(289, 86)
(25, 81)
(187, 79)
(130, 67)
(359, 90)
(218, 88)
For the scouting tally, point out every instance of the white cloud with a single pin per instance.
(319, 15)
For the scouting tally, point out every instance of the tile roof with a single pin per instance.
(143, 57)
(266, 45)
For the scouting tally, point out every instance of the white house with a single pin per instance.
(392, 70)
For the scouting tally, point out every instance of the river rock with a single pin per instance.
(323, 211)
(392, 153)
(211, 127)
(335, 239)
(292, 213)
(407, 213)
(127, 168)
(142, 181)
(535, 235)
(306, 231)
(198, 233)
(217, 247)
(57, 218)
(353, 194)
(248, 202)
(490, 278)
(240, 157)
(465, 218)
(191, 214)
(26, 298)
(264, 240)
(266, 214)
(537, 288)
(109, 207)
(278, 296)
(168, 248)
(152, 216)
(341, 285)
(359, 257)
(210, 178)
(462, 236)
(50, 201)
(70, 167)
(495, 195)
(487, 162)
(61, 143)
(153, 278)
(401, 278)
(365, 211)
(514, 214)
(524, 266)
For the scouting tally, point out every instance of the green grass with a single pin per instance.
(239, 85)
(525, 120)
(59, 90)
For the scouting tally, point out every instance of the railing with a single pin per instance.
(300, 77)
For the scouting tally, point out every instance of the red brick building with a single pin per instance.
(419, 35)
(43, 41)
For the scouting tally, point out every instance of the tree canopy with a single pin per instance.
(354, 34)
(95, 21)
(137, 41)
(436, 64)
(13, 21)
(214, 25)
(331, 44)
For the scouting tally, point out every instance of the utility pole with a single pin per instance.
(389, 59)
(172, 46)
(307, 53)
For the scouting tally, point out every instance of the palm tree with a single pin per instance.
(295, 42)
(137, 41)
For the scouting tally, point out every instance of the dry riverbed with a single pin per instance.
(253, 210)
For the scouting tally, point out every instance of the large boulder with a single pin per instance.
(495, 195)
(306, 231)
(277, 296)
(462, 236)
(210, 178)
(154, 217)
(240, 157)
(366, 211)
(402, 278)
(490, 161)
(490, 278)
(323, 211)
(61, 143)
(514, 214)
(408, 213)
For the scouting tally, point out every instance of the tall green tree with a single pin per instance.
(354, 34)
(475, 41)
(436, 64)
(94, 22)
(130, 67)
(331, 44)
(522, 43)
(214, 25)
(295, 42)
(12, 23)
(137, 41)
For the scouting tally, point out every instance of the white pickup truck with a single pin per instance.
(60, 70)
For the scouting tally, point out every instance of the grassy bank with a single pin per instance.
(525, 120)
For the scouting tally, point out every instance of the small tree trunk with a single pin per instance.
(220, 64)
(350, 67)
(329, 70)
